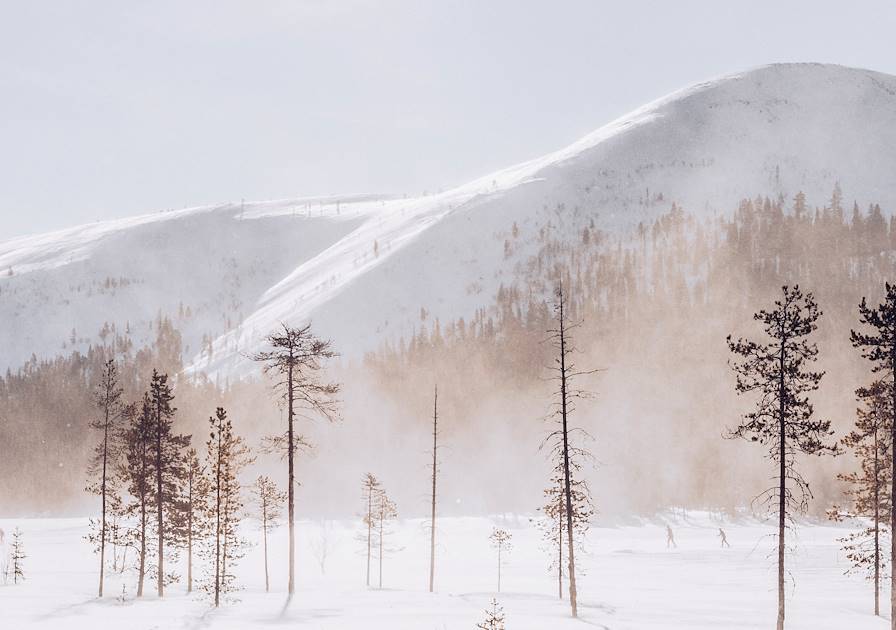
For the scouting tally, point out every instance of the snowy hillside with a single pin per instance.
(362, 267)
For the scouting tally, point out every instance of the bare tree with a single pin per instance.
(500, 539)
(879, 347)
(777, 374)
(868, 488)
(435, 469)
(296, 360)
(269, 502)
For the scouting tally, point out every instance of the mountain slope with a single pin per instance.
(363, 267)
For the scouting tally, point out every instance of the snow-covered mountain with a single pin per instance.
(362, 267)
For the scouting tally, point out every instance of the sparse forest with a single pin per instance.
(557, 363)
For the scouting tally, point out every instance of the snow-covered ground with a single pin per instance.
(632, 581)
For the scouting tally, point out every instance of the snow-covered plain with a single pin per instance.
(632, 581)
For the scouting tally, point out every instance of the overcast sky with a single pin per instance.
(116, 108)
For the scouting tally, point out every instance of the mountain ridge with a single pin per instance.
(775, 129)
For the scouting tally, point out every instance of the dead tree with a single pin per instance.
(561, 441)
(868, 488)
(435, 469)
(500, 540)
(269, 502)
(369, 489)
(296, 359)
(108, 399)
(879, 347)
(776, 373)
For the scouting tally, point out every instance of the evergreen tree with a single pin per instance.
(384, 511)
(879, 347)
(370, 487)
(868, 488)
(296, 359)
(226, 457)
(269, 502)
(554, 524)
(137, 473)
(108, 399)
(777, 374)
(17, 556)
(494, 617)
(168, 468)
(500, 540)
(193, 516)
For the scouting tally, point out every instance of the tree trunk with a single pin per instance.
(893, 490)
(290, 387)
(432, 539)
(381, 552)
(190, 533)
(159, 503)
(264, 534)
(103, 493)
(876, 527)
(566, 472)
(218, 522)
(782, 484)
(560, 554)
(499, 567)
(369, 529)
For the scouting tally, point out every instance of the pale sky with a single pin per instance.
(120, 107)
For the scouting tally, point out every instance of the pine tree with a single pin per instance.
(108, 399)
(500, 540)
(193, 519)
(777, 374)
(226, 457)
(296, 360)
(384, 510)
(17, 556)
(494, 617)
(554, 524)
(561, 440)
(269, 502)
(369, 489)
(868, 489)
(137, 474)
(168, 467)
(879, 347)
